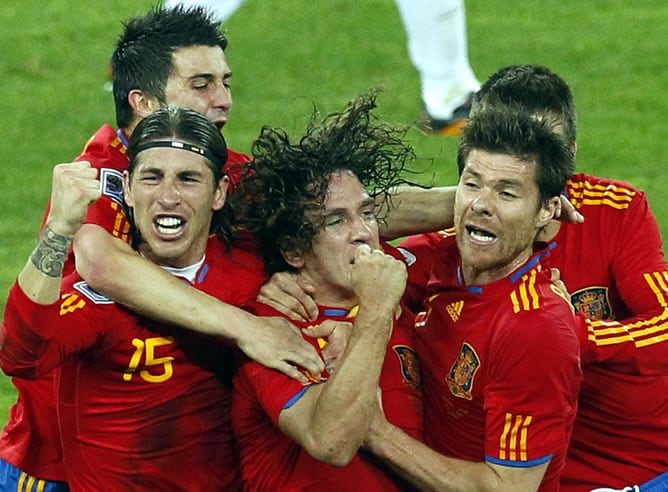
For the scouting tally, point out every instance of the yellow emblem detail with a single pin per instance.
(71, 302)
(455, 309)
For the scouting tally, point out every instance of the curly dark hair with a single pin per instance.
(288, 181)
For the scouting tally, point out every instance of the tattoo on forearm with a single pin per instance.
(51, 252)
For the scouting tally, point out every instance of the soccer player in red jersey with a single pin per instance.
(143, 405)
(497, 343)
(307, 204)
(613, 265)
(168, 56)
(615, 269)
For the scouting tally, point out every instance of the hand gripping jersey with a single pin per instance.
(273, 461)
(143, 405)
(500, 366)
(31, 441)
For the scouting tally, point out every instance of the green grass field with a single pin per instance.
(292, 55)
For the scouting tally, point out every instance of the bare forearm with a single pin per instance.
(417, 210)
(429, 470)
(347, 402)
(424, 467)
(112, 268)
(74, 187)
(41, 277)
(115, 270)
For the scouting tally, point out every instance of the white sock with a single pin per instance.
(438, 48)
(222, 9)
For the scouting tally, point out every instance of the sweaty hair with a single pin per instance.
(288, 181)
(182, 125)
(536, 89)
(512, 131)
(142, 59)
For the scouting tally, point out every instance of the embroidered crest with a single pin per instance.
(593, 302)
(88, 291)
(112, 184)
(462, 373)
(410, 367)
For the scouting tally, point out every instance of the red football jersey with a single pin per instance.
(614, 268)
(613, 265)
(500, 366)
(30, 441)
(143, 405)
(273, 461)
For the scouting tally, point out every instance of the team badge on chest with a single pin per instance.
(593, 302)
(461, 375)
(410, 369)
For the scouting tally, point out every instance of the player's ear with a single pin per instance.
(293, 258)
(142, 104)
(220, 193)
(548, 211)
(127, 192)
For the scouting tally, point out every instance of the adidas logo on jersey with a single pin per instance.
(455, 309)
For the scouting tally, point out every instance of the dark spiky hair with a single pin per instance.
(536, 89)
(142, 59)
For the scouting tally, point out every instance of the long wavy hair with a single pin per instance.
(283, 191)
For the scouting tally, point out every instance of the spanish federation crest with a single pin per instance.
(593, 302)
(462, 373)
(410, 369)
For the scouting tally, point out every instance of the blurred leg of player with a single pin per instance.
(438, 48)
(12, 478)
(223, 9)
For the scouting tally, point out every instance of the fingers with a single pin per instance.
(294, 310)
(291, 371)
(275, 342)
(374, 268)
(363, 249)
(568, 212)
(328, 328)
(74, 187)
(284, 293)
(305, 356)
